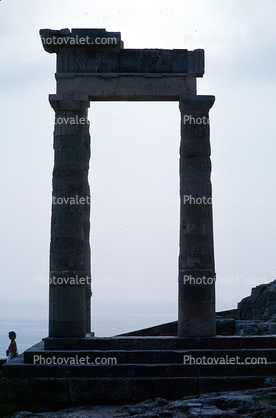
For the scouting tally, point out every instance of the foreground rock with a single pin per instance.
(259, 403)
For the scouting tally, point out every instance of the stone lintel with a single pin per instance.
(127, 87)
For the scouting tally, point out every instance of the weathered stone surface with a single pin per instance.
(139, 87)
(225, 326)
(69, 306)
(254, 328)
(258, 403)
(261, 304)
(196, 301)
(94, 62)
(102, 52)
(89, 67)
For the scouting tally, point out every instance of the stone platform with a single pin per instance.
(59, 372)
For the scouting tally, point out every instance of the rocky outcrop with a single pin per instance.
(260, 305)
(256, 314)
(247, 404)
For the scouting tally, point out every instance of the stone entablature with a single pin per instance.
(93, 56)
(107, 71)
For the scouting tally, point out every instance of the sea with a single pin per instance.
(109, 319)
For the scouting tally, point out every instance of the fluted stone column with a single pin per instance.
(196, 314)
(70, 278)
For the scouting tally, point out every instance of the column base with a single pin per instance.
(196, 320)
(67, 329)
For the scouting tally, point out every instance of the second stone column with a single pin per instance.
(196, 307)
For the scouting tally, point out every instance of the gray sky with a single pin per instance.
(134, 166)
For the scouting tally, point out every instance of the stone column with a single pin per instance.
(70, 278)
(196, 308)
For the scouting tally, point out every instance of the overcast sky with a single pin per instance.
(135, 151)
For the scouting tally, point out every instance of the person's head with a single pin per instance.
(12, 335)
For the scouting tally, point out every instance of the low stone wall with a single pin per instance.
(169, 329)
(225, 326)
(230, 314)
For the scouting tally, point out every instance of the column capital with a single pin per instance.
(69, 101)
(190, 102)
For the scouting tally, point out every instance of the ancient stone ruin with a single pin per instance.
(92, 65)
(64, 368)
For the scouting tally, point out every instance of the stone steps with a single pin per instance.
(160, 343)
(37, 355)
(147, 367)
(150, 356)
(139, 370)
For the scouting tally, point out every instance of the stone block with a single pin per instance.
(100, 390)
(50, 390)
(225, 326)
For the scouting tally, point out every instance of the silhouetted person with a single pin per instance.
(12, 350)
